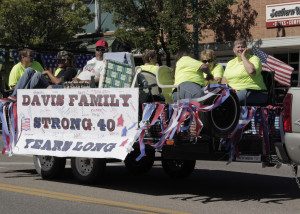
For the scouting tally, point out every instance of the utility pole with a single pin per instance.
(98, 16)
(195, 26)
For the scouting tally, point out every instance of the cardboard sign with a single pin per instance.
(95, 123)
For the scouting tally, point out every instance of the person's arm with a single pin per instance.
(205, 69)
(224, 80)
(250, 69)
(55, 80)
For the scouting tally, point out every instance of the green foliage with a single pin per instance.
(166, 24)
(47, 23)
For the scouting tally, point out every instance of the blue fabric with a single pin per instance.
(189, 90)
(31, 79)
(253, 97)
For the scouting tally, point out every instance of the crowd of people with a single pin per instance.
(191, 75)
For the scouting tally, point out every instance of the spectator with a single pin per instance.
(25, 61)
(95, 66)
(208, 56)
(150, 61)
(244, 72)
(189, 76)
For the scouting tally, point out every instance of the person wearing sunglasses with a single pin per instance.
(21, 74)
(32, 79)
(189, 76)
(243, 73)
(208, 57)
(95, 66)
(67, 68)
(26, 60)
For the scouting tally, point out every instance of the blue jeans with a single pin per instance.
(189, 90)
(253, 97)
(31, 79)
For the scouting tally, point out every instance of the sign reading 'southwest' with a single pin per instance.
(284, 14)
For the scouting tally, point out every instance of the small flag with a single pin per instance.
(25, 124)
(282, 70)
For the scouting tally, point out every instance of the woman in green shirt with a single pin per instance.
(217, 70)
(189, 76)
(244, 72)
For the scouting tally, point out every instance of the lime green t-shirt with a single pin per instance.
(238, 78)
(217, 71)
(187, 71)
(18, 70)
(150, 68)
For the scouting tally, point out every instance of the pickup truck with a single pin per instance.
(291, 120)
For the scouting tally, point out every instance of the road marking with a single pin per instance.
(84, 199)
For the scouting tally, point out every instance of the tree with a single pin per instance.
(166, 24)
(42, 23)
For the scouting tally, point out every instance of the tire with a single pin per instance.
(142, 166)
(88, 170)
(49, 167)
(178, 168)
(221, 121)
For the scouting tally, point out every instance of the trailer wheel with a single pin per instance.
(221, 121)
(88, 170)
(142, 166)
(49, 167)
(178, 168)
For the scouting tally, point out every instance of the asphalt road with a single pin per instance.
(214, 187)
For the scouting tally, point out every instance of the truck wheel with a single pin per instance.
(221, 121)
(49, 167)
(142, 166)
(178, 168)
(88, 170)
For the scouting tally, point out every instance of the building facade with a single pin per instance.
(271, 25)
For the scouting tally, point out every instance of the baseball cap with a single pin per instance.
(102, 43)
(64, 55)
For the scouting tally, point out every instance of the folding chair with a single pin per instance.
(149, 90)
(117, 75)
(165, 80)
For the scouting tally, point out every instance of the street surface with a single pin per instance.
(214, 187)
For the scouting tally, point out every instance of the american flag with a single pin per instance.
(49, 61)
(282, 70)
(15, 55)
(25, 125)
(81, 60)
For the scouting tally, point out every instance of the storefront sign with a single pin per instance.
(284, 14)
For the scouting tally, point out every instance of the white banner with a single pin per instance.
(95, 123)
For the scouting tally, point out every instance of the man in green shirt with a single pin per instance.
(25, 61)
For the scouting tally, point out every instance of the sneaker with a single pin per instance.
(13, 98)
(5, 100)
